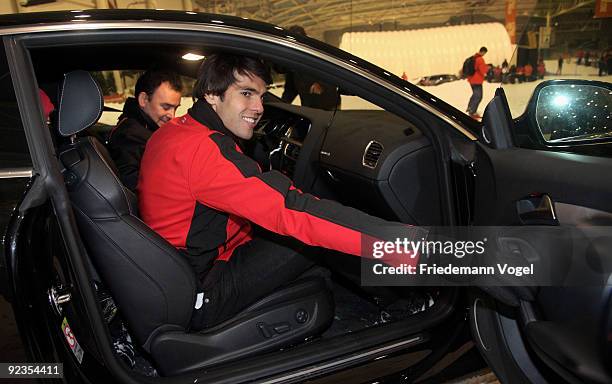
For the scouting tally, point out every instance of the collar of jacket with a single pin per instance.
(203, 113)
(132, 110)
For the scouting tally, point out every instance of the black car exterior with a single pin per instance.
(43, 256)
(437, 79)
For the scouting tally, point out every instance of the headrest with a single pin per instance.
(80, 103)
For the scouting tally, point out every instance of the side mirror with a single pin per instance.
(572, 111)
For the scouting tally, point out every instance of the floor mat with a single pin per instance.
(354, 313)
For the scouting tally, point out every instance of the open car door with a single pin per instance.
(530, 172)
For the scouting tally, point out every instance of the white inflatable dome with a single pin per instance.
(430, 51)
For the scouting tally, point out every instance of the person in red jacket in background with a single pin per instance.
(528, 72)
(476, 80)
(47, 105)
(541, 69)
(520, 73)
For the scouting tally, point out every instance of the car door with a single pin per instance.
(46, 287)
(15, 176)
(562, 334)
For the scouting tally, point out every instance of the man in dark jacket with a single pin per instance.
(158, 94)
(313, 92)
(476, 80)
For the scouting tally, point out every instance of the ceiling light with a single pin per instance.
(192, 57)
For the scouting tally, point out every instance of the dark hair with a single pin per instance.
(218, 72)
(149, 81)
(483, 49)
(297, 29)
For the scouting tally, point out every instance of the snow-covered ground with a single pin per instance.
(456, 93)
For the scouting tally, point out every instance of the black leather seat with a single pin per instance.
(153, 285)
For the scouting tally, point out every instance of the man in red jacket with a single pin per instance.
(203, 195)
(476, 80)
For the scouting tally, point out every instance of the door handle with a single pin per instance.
(537, 210)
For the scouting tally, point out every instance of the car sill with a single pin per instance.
(308, 372)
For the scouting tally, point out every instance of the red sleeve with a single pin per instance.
(482, 67)
(223, 178)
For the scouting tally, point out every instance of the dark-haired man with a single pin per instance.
(157, 96)
(476, 80)
(202, 194)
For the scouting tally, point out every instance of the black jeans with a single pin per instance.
(475, 99)
(256, 269)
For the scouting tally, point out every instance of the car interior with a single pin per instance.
(370, 159)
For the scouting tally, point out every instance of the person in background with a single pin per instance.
(601, 64)
(528, 70)
(520, 73)
(505, 68)
(476, 80)
(505, 65)
(313, 92)
(541, 69)
(587, 58)
(46, 103)
(497, 74)
(560, 64)
(157, 96)
(490, 74)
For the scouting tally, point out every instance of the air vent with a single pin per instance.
(372, 154)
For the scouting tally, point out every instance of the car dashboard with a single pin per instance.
(369, 159)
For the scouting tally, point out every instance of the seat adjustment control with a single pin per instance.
(265, 330)
(269, 331)
(282, 328)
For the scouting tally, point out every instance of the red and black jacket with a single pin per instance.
(201, 193)
(480, 70)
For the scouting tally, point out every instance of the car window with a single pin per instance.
(528, 42)
(13, 144)
(299, 87)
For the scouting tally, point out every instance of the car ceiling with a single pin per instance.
(112, 56)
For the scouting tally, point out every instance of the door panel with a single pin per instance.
(567, 328)
(508, 175)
